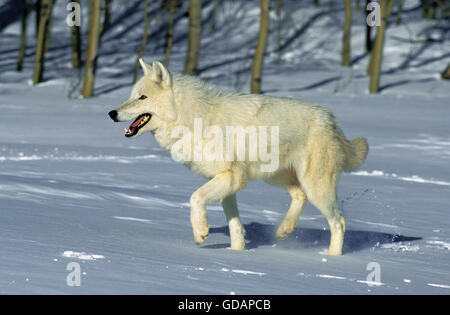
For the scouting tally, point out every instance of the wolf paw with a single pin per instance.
(286, 228)
(236, 247)
(201, 234)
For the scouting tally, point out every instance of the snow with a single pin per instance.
(443, 286)
(81, 256)
(74, 189)
(413, 178)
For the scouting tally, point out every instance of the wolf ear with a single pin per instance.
(145, 67)
(161, 75)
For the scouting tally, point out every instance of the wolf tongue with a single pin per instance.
(137, 122)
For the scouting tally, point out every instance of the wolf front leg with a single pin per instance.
(237, 231)
(221, 186)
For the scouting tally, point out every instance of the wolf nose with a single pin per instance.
(113, 114)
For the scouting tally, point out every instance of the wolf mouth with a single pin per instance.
(139, 122)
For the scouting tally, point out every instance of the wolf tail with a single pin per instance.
(355, 153)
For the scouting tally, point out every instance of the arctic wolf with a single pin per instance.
(313, 150)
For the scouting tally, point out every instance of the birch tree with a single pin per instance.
(76, 42)
(23, 35)
(279, 23)
(46, 8)
(377, 52)
(346, 57)
(368, 30)
(215, 15)
(446, 73)
(173, 5)
(195, 28)
(258, 58)
(143, 42)
(429, 9)
(92, 47)
(37, 8)
(106, 17)
(48, 29)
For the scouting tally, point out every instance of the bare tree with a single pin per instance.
(143, 42)
(92, 47)
(215, 14)
(446, 73)
(279, 23)
(38, 15)
(429, 9)
(346, 57)
(76, 44)
(46, 8)
(23, 35)
(173, 5)
(331, 5)
(258, 58)
(399, 12)
(377, 53)
(195, 28)
(106, 16)
(49, 29)
(368, 30)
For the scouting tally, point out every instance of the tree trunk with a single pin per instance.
(399, 12)
(215, 14)
(368, 30)
(92, 47)
(49, 29)
(331, 5)
(358, 5)
(316, 3)
(346, 57)
(106, 16)
(46, 8)
(195, 28)
(258, 59)
(76, 44)
(23, 36)
(169, 37)
(38, 16)
(144, 41)
(278, 8)
(429, 9)
(446, 74)
(377, 53)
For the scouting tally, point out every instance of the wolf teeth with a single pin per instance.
(144, 120)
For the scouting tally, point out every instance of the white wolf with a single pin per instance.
(313, 150)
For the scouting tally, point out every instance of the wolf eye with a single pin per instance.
(143, 97)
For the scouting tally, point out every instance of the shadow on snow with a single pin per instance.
(258, 234)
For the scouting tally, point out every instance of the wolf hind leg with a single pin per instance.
(324, 198)
(298, 203)
(321, 191)
(288, 181)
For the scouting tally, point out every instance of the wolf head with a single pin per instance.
(151, 101)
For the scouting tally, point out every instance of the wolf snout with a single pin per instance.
(113, 114)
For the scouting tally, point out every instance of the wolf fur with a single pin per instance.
(313, 150)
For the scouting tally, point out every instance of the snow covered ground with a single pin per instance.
(73, 189)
